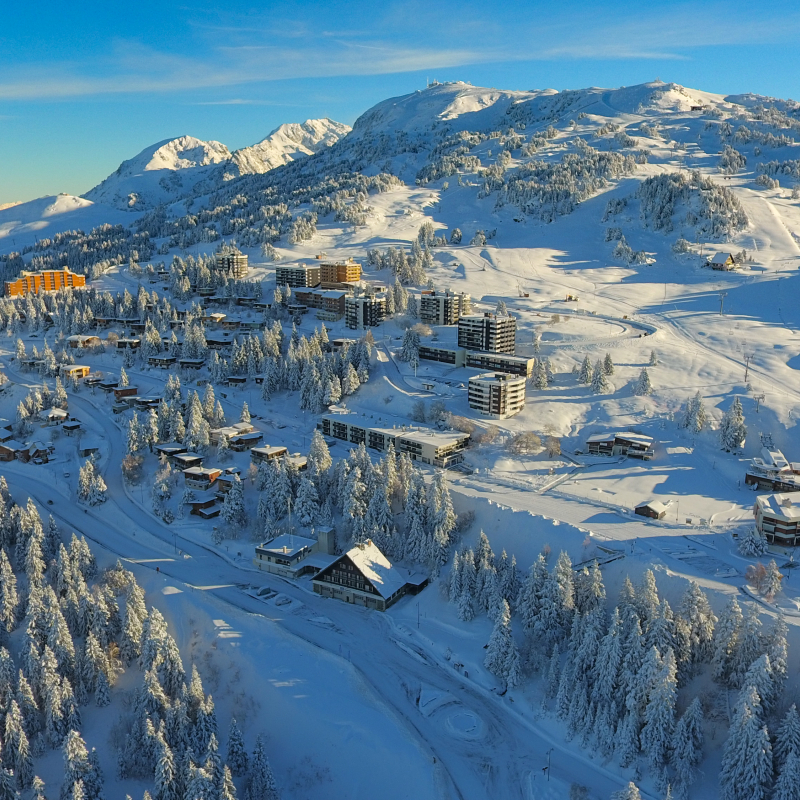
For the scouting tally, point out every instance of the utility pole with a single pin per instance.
(759, 398)
(722, 296)
(547, 768)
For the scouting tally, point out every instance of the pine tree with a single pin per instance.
(746, 772)
(749, 647)
(643, 386)
(772, 582)
(233, 509)
(123, 377)
(600, 384)
(307, 504)
(261, 785)
(8, 594)
(237, 755)
(787, 787)
(687, 746)
(787, 739)
(502, 657)
(732, 430)
(228, 789)
(245, 415)
(695, 416)
(539, 376)
(659, 718)
(653, 359)
(695, 609)
(585, 375)
(630, 792)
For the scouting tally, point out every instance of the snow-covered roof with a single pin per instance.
(203, 497)
(36, 447)
(785, 506)
(377, 569)
(774, 458)
(13, 444)
(655, 505)
(637, 438)
(89, 443)
(287, 545)
(719, 258)
(55, 412)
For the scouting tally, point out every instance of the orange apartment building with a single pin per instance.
(340, 271)
(49, 280)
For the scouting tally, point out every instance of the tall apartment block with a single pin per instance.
(364, 312)
(232, 262)
(497, 394)
(298, 276)
(488, 332)
(443, 308)
(48, 280)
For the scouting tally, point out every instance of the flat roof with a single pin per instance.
(628, 437)
(207, 471)
(785, 505)
(412, 434)
(287, 545)
(270, 449)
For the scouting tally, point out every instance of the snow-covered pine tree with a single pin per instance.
(502, 656)
(787, 738)
(643, 386)
(600, 384)
(261, 783)
(732, 430)
(237, 754)
(746, 772)
(630, 792)
(659, 719)
(687, 747)
(695, 416)
(787, 787)
(233, 508)
(585, 375)
(752, 543)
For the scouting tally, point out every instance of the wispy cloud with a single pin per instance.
(411, 36)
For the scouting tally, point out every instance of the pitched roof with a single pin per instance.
(376, 568)
(719, 258)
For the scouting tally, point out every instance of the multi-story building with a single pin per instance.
(444, 355)
(364, 576)
(232, 262)
(340, 271)
(439, 448)
(48, 280)
(328, 302)
(497, 394)
(635, 445)
(443, 308)
(501, 362)
(778, 518)
(364, 312)
(298, 275)
(488, 332)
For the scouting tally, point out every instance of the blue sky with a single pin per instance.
(85, 85)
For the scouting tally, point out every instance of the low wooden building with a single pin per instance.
(71, 428)
(635, 445)
(68, 371)
(654, 509)
(122, 392)
(9, 449)
(184, 461)
(722, 261)
(162, 360)
(204, 504)
(79, 340)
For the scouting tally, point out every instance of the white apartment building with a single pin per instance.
(497, 394)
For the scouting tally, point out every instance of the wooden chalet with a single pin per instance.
(365, 576)
(654, 509)
(722, 261)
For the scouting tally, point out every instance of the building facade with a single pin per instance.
(443, 308)
(232, 262)
(340, 271)
(49, 280)
(438, 448)
(497, 394)
(501, 362)
(298, 275)
(364, 312)
(488, 332)
(330, 303)
(457, 356)
(778, 518)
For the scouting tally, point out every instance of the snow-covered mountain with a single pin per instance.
(163, 172)
(288, 143)
(176, 168)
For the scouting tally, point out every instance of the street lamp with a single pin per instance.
(547, 768)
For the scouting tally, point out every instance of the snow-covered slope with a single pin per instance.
(161, 173)
(22, 223)
(287, 143)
